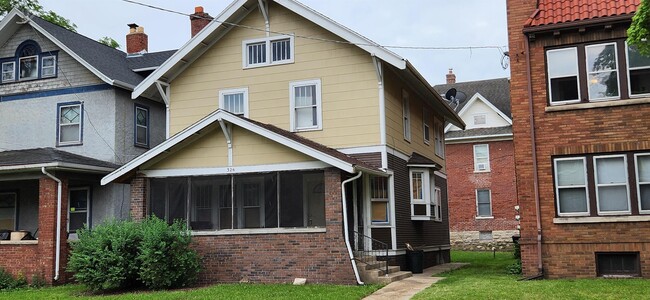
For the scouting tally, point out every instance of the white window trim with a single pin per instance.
(146, 127)
(292, 105)
(629, 84)
(406, 115)
(88, 208)
(428, 193)
(385, 200)
(267, 42)
(426, 120)
(487, 164)
(639, 182)
(477, 204)
(53, 57)
(439, 137)
(37, 67)
(627, 186)
(587, 72)
(243, 90)
(585, 186)
(577, 74)
(59, 125)
(13, 71)
(437, 204)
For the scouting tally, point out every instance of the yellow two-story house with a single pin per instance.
(296, 147)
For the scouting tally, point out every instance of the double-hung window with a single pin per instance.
(406, 115)
(638, 73)
(8, 71)
(141, 129)
(642, 163)
(562, 66)
(439, 136)
(79, 201)
(611, 184)
(48, 64)
(379, 200)
(306, 106)
(234, 101)
(426, 121)
(483, 203)
(436, 204)
(571, 186)
(268, 51)
(602, 71)
(481, 158)
(28, 63)
(8, 211)
(70, 118)
(425, 205)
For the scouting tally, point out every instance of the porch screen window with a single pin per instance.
(611, 184)
(8, 71)
(141, 126)
(562, 71)
(306, 105)
(379, 200)
(571, 186)
(8, 211)
(169, 198)
(79, 200)
(602, 71)
(638, 72)
(69, 123)
(483, 203)
(234, 101)
(302, 199)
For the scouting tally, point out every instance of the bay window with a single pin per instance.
(425, 198)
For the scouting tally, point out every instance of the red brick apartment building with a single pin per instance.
(481, 165)
(582, 152)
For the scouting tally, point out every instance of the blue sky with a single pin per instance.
(430, 23)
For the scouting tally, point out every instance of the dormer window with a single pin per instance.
(267, 51)
(29, 63)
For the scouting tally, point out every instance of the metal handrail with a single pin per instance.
(365, 246)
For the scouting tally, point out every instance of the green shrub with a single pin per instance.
(9, 282)
(165, 258)
(514, 269)
(127, 254)
(38, 281)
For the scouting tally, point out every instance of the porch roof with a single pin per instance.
(37, 158)
(418, 160)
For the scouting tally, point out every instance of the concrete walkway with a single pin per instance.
(407, 288)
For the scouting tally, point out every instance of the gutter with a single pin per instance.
(57, 255)
(540, 267)
(345, 226)
(60, 166)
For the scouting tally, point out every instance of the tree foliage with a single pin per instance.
(108, 41)
(35, 8)
(638, 35)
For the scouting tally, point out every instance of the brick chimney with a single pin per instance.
(136, 40)
(451, 77)
(199, 19)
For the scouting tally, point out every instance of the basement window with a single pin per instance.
(618, 264)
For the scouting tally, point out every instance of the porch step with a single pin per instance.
(371, 264)
(392, 277)
(373, 271)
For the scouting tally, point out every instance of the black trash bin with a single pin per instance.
(414, 260)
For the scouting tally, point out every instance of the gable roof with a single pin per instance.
(288, 139)
(495, 91)
(550, 12)
(238, 10)
(49, 157)
(109, 64)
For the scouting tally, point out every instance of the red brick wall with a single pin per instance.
(463, 183)
(138, 198)
(568, 250)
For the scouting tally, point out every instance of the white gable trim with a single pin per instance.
(217, 116)
(199, 40)
(15, 13)
(479, 97)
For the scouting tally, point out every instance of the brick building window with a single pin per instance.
(481, 158)
(379, 200)
(618, 264)
(602, 185)
(8, 210)
(483, 203)
(79, 203)
(592, 72)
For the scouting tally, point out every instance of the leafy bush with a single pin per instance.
(165, 259)
(127, 254)
(9, 282)
(514, 269)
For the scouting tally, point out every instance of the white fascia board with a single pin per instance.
(309, 165)
(504, 136)
(58, 165)
(186, 49)
(345, 33)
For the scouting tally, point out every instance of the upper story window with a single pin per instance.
(481, 158)
(69, 123)
(406, 115)
(234, 101)
(306, 106)
(426, 121)
(141, 126)
(480, 119)
(439, 136)
(29, 63)
(268, 51)
(592, 72)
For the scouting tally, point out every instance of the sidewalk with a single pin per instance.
(407, 288)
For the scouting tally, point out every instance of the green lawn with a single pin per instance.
(222, 291)
(486, 278)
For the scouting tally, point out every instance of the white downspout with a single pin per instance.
(345, 226)
(57, 255)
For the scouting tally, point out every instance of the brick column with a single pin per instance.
(138, 198)
(47, 211)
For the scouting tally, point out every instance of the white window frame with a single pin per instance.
(629, 82)
(489, 192)
(437, 204)
(382, 200)
(439, 137)
(53, 67)
(597, 185)
(267, 44)
(558, 187)
(15, 198)
(292, 105)
(406, 115)
(639, 182)
(577, 74)
(480, 115)
(59, 125)
(476, 163)
(587, 72)
(426, 127)
(35, 58)
(13, 71)
(87, 211)
(244, 91)
(428, 194)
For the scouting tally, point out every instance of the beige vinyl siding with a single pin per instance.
(349, 84)
(211, 151)
(394, 127)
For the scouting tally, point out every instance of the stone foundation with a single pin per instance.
(474, 241)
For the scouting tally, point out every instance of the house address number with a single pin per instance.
(230, 170)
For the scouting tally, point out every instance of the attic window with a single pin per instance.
(29, 63)
(480, 119)
(267, 51)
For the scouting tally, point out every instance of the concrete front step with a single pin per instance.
(375, 272)
(399, 275)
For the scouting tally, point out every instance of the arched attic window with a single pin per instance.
(29, 63)
(27, 54)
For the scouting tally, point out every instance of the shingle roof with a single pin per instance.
(496, 91)
(562, 11)
(418, 159)
(48, 155)
(110, 62)
(478, 132)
